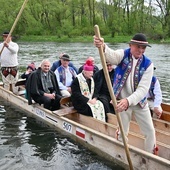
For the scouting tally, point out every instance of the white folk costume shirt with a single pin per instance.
(133, 97)
(9, 56)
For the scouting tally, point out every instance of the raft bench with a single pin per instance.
(166, 113)
(66, 107)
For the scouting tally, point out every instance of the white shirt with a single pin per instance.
(158, 94)
(9, 56)
(68, 81)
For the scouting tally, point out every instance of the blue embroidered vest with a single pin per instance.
(152, 87)
(62, 74)
(123, 70)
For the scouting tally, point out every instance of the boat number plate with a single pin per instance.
(40, 113)
(67, 127)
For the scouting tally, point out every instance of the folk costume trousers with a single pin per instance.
(144, 120)
(9, 82)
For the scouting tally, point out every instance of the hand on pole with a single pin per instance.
(6, 44)
(99, 42)
(122, 105)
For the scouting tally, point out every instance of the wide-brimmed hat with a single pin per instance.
(5, 33)
(139, 39)
(65, 57)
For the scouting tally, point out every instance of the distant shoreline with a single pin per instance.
(83, 39)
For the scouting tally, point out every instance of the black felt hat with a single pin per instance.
(5, 33)
(65, 57)
(139, 39)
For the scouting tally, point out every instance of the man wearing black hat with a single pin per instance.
(65, 75)
(132, 80)
(57, 64)
(9, 62)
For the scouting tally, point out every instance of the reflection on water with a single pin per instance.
(27, 144)
(159, 54)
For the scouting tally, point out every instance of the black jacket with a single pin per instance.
(100, 82)
(79, 100)
(34, 85)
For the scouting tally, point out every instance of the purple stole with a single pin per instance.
(123, 70)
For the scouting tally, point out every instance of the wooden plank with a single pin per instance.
(134, 139)
(161, 135)
(65, 100)
(102, 142)
(20, 82)
(158, 123)
(65, 111)
(161, 125)
(165, 116)
(166, 107)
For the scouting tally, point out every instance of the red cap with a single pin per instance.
(31, 66)
(88, 66)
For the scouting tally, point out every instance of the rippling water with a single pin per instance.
(159, 54)
(26, 144)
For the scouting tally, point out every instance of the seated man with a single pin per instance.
(65, 75)
(95, 67)
(154, 98)
(84, 95)
(43, 88)
(101, 86)
(57, 64)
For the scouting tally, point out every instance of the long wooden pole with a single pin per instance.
(106, 74)
(15, 22)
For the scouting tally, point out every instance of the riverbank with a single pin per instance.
(81, 39)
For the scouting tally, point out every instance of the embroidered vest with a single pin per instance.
(151, 93)
(123, 70)
(62, 74)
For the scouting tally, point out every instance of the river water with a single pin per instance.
(159, 54)
(27, 144)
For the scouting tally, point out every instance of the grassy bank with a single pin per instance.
(32, 38)
(66, 39)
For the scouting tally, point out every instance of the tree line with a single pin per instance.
(78, 17)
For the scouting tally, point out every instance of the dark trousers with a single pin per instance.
(106, 102)
(51, 104)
